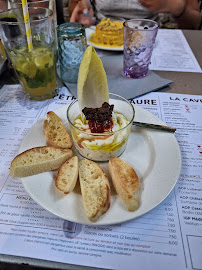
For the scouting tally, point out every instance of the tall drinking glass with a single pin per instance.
(49, 4)
(36, 68)
(139, 39)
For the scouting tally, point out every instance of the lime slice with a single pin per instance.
(38, 50)
(92, 88)
(44, 61)
(20, 50)
(26, 67)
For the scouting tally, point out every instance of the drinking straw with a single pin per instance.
(27, 24)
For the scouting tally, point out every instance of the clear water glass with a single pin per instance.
(139, 39)
(71, 47)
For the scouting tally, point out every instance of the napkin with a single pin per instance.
(119, 84)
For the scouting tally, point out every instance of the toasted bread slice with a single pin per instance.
(67, 175)
(126, 183)
(55, 132)
(37, 160)
(95, 189)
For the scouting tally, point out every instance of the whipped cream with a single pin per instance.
(119, 122)
(101, 146)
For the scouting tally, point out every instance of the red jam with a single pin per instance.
(99, 119)
(97, 126)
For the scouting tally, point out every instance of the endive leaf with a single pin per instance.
(92, 88)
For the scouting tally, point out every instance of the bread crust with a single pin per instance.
(55, 132)
(95, 189)
(67, 175)
(38, 159)
(126, 183)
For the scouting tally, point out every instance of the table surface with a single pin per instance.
(183, 83)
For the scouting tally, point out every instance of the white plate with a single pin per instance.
(91, 30)
(153, 154)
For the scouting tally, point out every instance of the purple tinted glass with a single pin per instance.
(139, 39)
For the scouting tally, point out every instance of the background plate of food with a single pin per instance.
(107, 35)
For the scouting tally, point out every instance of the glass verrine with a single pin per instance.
(102, 146)
(36, 68)
(139, 39)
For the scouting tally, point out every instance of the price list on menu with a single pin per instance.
(168, 237)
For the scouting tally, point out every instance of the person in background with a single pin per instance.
(185, 12)
(3, 5)
(87, 12)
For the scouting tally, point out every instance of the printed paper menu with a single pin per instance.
(169, 236)
(173, 53)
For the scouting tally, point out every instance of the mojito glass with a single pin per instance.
(48, 4)
(36, 68)
(139, 39)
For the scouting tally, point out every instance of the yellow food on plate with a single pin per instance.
(108, 33)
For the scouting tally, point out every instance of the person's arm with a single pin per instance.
(81, 11)
(190, 18)
(71, 6)
(185, 12)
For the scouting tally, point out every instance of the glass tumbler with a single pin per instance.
(35, 68)
(71, 47)
(139, 39)
(48, 4)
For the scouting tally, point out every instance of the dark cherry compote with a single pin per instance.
(99, 119)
